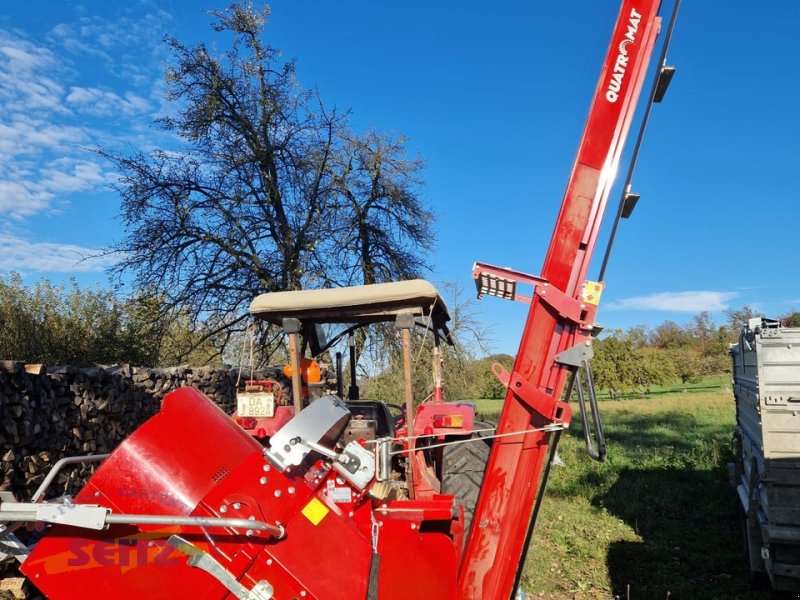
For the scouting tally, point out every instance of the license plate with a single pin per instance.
(255, 404)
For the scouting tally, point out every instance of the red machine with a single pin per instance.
(210, 513)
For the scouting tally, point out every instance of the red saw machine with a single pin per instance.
(191, 506)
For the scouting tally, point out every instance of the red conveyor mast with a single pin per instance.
(560, 318)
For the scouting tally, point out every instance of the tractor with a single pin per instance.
(425, 437)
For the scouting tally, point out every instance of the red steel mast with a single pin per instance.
(560, 317)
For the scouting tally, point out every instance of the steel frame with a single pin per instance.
(495, 544)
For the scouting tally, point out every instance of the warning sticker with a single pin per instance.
(315, 511)
(340, 494)
(592, 291)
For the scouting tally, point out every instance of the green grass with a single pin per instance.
(657, 520)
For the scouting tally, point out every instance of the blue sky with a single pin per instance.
(493, 99)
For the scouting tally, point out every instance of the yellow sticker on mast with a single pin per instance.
(315, 511)
(592, 291)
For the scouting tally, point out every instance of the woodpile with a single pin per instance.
(49, 413)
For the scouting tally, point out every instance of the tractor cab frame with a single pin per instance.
(408, 304)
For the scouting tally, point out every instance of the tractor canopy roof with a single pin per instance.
(360, 305)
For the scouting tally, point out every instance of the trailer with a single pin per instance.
(766, 473)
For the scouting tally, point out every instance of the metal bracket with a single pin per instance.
(543, 403)
(502, 283)
(359, 468)
(86, 516)
(202, 560)
(92, 516)
(577, 355)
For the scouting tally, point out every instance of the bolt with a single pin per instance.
(269, 562)
(97, 494)
(251, 518)
(237, 505)
(249, 533)
(290, 490)
(150, 544)
(277, 493)
(266, 467)
(350, 514)
(263, 481)
(223, 509)
(303, 593)
(413, 526)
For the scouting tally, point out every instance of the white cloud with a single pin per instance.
(26, 76)
(85, 84)
(20, 199)
(112, 41)
(46, 131)
(23, 195)
(23, 135)
(17, 254)
(102, 102)
(690, 302)
(67, 176)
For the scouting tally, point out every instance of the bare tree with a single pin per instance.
(252, 200)
(382, 226)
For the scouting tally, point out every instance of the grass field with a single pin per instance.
(657, 520)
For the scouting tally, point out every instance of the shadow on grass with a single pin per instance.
(713, 387)
(688, 523)
(667, 481)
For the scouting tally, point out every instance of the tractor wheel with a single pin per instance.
(462, 473)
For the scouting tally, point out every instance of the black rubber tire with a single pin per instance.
(462, 473)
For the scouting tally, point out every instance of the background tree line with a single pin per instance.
(64, 324)
(67, 325)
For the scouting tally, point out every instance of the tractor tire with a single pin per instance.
(462, 473)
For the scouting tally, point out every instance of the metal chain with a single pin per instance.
(376, 529)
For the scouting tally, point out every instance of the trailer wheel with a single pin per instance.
(462, 471)
(759, 580)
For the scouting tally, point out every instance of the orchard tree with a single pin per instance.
(264, 191)
(791, 319)
(615, 363)
(380, 227)
(738, 319)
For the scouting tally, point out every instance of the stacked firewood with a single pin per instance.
(49, 413)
